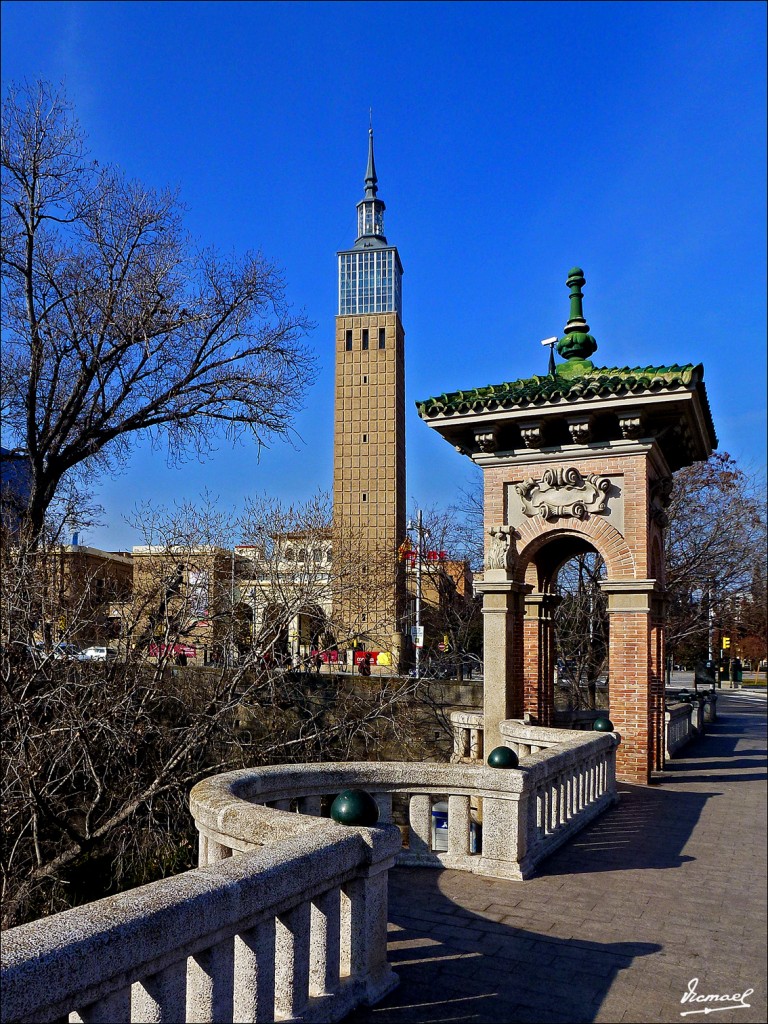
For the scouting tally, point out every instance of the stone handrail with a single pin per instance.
(295, 930)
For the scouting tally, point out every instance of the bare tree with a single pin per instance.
(716, 556)
(98, 757)
(451, 613)
(581, 629)
(115, 324)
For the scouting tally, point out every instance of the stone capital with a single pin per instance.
(541, 606)
(632, 595)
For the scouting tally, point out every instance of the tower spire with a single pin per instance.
(371, 181)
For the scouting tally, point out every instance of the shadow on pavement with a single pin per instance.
(456, 943)
(458, 965)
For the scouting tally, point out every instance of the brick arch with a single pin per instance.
(535, 534)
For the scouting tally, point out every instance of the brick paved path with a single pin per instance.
(668, 886)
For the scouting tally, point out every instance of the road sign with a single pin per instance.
(417, 635)
(726, 642)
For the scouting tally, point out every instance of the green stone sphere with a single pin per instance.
(503, 757)
(602, 724)
(355, 807)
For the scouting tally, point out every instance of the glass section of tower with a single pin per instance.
(369, 282)
(370, 219)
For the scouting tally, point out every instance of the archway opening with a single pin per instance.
(581, 634)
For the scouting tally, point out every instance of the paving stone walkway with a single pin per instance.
(668, 886)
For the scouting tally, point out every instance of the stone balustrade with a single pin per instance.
(467, 736)
(571, 778)
(565, 778)
(679, 727)
(286, 916)
(295, 930)
(710, 705)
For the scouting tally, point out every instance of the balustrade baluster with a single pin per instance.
(216, 852)
(553, 805)
(292, 960)
(254, 989)
(310, 805)
(562, 789)
(210, 984)
(475, 744)
(202, 850)
(325, 946)
(161, 998)
(458, 826)
(420, 824)
(384, 803)
(112, 1009)
(541, 811)
(364, 930)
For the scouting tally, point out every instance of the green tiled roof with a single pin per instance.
(596, 382)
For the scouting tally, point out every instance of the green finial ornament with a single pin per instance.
(577, 344)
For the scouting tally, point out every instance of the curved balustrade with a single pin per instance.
(286, 916)
(564, 779)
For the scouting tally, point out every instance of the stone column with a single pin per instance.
(539, 657)
(502, 652)
(630, 663)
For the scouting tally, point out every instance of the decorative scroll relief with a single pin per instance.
(501, 552)
(564, 492)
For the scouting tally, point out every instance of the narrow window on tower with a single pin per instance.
(365, 337)
(348, 341)
(365, 497)
(365, 439)
(365, 380)
(382, 338)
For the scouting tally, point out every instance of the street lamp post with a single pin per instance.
(418, 526)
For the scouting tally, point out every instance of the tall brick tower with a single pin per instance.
(369, 432)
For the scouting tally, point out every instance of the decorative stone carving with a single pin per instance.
(501, 553)
(531, 435)
(564, 492)
(659, 516)
(579, 431)
(661, 490)
(486, 440)
(631, 427)
(661, 495)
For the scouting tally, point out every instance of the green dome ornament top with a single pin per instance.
(503, 757)
(355, 807)
(602, 724)
(577, 344)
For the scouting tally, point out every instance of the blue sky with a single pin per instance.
(513, 140)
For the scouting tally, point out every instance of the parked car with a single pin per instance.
(65, 652)
(98, 654)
